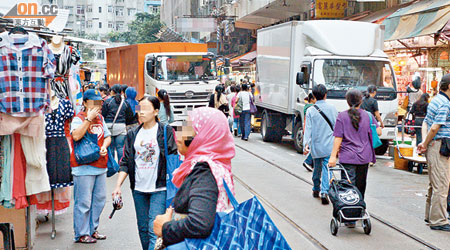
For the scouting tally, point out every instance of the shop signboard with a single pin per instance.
(31, 14)
(191, 24)
(330, 8)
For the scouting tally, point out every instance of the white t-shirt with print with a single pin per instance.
(147, 160)
(245, 96)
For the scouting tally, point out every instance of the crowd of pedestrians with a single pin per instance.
(137, 130)
(347, 138)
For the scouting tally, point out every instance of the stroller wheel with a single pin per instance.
(367, 226)
(334, 226)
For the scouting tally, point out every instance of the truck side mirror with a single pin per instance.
(227, 62)
(300, 78)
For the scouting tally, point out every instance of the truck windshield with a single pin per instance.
(340, 75)
(185, 68)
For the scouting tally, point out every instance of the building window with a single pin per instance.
(119, 1)
(89, 8)
(119, 11)
(119, 26)
(99, 25)
(153, 9)
(80, 10)
(110, 8)
(131, 12)
(111, 25)
(89, 24)
(99, 9)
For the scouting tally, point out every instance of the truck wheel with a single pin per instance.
(298, 137)
(271, 130)
(381, 150)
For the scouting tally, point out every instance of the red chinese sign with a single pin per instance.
(330, 8)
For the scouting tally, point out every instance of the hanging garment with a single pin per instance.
(36, 179)
(43, 201)
(20, 166)
(58, 152)
(58, 162)
(64, 62)
(6, 163)
(29, 126)
(26, 62)
(54, 121)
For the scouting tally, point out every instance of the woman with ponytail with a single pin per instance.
(353, 140)
(165, 114)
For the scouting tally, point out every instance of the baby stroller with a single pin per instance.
(348, 203)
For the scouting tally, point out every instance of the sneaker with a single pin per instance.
(316, 194)
(324, 198)
(307, 166)
(235, 132)
(445, 228)
(427, 221)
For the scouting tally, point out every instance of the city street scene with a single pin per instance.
(224, 124)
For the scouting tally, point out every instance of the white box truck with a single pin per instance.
(295, 56)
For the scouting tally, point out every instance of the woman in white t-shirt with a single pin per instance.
(245, 118)
(144, 161)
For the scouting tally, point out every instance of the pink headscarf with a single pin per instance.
(213, 143)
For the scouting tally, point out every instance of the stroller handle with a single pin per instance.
(340, 168)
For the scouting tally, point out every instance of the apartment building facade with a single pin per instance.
(100, 17)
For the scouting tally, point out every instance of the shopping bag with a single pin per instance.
(238, 107)
(172, 162)
(113, 166)
(376, 142)
(248, 226)
(86, 150)
(253, 108)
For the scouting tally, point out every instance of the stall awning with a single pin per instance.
(247, 57)
(421, 18)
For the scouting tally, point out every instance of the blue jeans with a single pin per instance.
(148, 206)
(309, 160)
(89, 192)
(237, 125)
(245, 119)
(321, 172)
(117, 143)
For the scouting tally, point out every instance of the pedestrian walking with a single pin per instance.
(219, 100)
(165, 113)
(370, 104)
(104, 91)
(144, 162)
(118, 115)
(308, 163)
(436, 131)
(318, 139)
(230, 106)
(131, 94)
(419, 111)
(353, 140)
(245, 96)
(236, 120)
(89, 180)
(208, 147)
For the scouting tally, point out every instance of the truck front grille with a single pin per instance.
(197, 96)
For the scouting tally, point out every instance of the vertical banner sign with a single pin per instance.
(330, 8)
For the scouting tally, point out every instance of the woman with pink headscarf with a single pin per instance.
(208, 147)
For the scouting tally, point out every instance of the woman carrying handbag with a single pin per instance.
(89, 177)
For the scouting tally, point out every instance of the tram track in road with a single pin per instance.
(302, 231)
(298, 228)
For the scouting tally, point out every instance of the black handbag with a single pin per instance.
(445, 147)
(86, 150)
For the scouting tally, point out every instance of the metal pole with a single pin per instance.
(53, 236)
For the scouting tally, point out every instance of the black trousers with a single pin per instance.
(357, 175)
